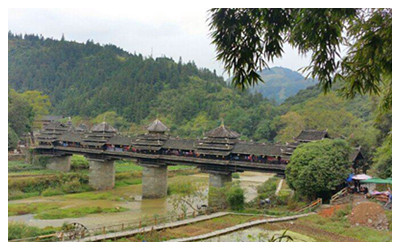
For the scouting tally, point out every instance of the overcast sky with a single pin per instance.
(172, 32)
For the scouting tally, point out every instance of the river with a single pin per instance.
(138, 208)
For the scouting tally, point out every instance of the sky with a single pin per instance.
(172, 32)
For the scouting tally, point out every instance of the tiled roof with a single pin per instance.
(103, 127)
(157, 126)
(222, 132)
(312, 135)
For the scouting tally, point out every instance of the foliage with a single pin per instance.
(248, 39)
(40, 103)
(268, 187)
(317, 168)
(79, 162)
(18, 230)
(344, 228)
(76, 212)
(20, 113)
(235, 197)
(383, 159)
(12, 138)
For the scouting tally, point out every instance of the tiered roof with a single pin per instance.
(99, 135)
(52, 132)
(219, 141)
(154, 139)
(157, 127)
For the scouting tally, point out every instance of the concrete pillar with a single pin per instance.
(215, 192)
(59, 163)
(218, 180)
(101, 174)
(154, 182)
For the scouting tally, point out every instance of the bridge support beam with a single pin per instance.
(101, 174)
(59, 163)
(154, 181)
(217, 181)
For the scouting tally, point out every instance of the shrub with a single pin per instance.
(235, 197)
(317, 168)
(52, 191)
(235, 175)
(17, 230)
(72, 186)
(79, 162)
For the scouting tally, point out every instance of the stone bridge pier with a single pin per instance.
(154, 181)
(59, 163)
(101, 174)
(217, 180)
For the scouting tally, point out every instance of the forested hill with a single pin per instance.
(88, 79)
(281, 83)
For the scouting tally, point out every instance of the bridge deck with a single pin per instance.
(231, 165)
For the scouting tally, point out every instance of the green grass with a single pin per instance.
(76, 212)
(100, 195)
(128, 182)
(342, 226)
(51, 210)
(17, 230)
(31, 208)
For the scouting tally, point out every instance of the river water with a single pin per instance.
(138, 209)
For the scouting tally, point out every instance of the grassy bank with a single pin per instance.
(27, 180)
(18, 230)
(51, 210)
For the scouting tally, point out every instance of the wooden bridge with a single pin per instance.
(220, 153)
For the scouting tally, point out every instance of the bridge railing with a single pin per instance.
(182, 154)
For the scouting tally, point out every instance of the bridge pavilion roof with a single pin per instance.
(157, 127)
(120, 140)
(103, 127)
(311, 135)
(222, 132)
(154, 139)
(70, 136)
(52, 131)
(219, 141)
(182, 144)
(99, 135)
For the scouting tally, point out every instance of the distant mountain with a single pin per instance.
(281, 83)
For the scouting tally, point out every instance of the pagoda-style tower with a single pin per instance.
(154, 177)
(218, 142)
(49, 137)
(101, 170)
(51, 133)
(153, 140)
(99, 135)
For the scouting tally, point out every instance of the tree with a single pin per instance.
(235, 197)
(20, 113)
(317, 168)
(12, 138)
(291, 125)
(383, 159)
(247, 39)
